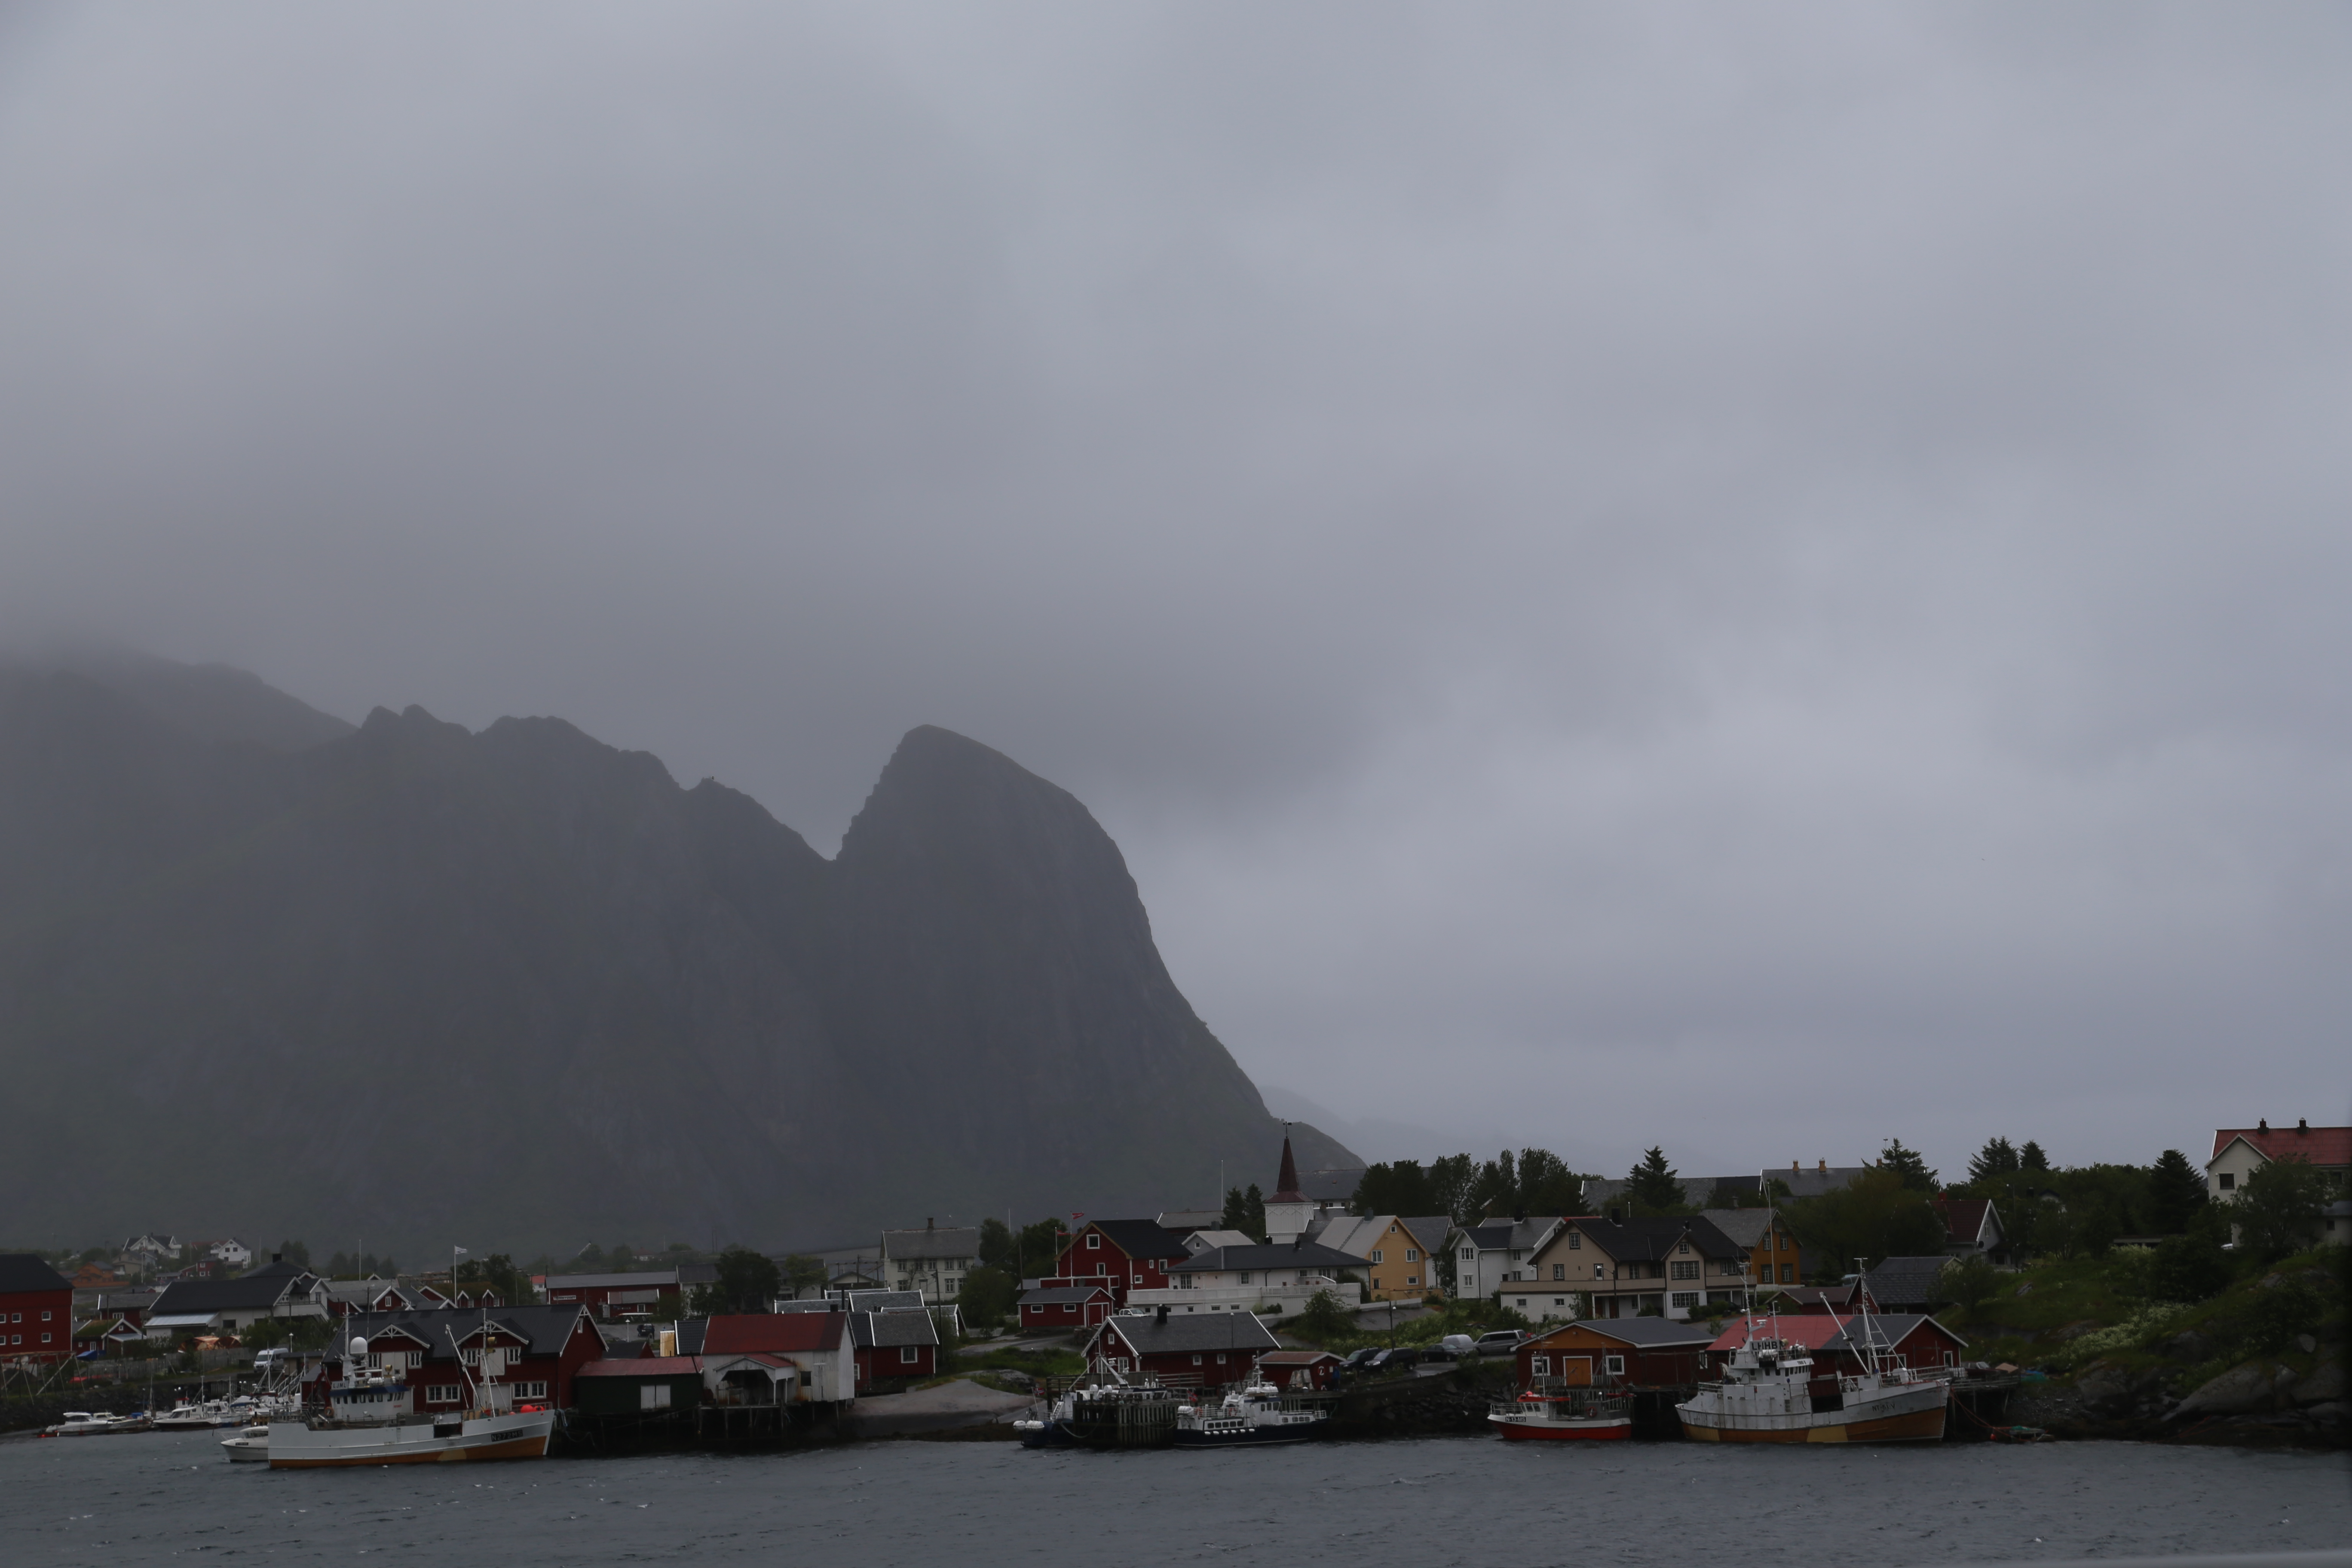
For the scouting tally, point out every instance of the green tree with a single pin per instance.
(1041, 1249)
(998, 1249)
(1651, 1187)
(2031, 1158)
(988, 1295)
(1496, 1188)
(1547, 1187)
(512, 1284)
(1907, 1164)
(1995, 1160)
(747, 1281)
(590, 1258)
(2176, 1190)
(1253, 1214)
(1325, 1317)
(1449, 1185)
(1970, 1281)
(1875, 1217)
(2187, 1268)
(267, 1333)
(1400, 1188)
(2277, 1208)
(295, 1252)
(802, 1275)
(1237, 1215)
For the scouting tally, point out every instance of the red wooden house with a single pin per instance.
(1646, 1353)
(1206, 1351)
(35, 1310)
(1120, 1255)
(1912, 1339)
(537, 1352)
(894, 1345)
(1064, 1306)
(1298, 1369)
(657, 1291)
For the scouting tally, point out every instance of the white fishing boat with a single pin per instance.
(1565, 1415)
(1773, 1391)
(1250, 1416)
(188, 1416)
(369, 1422)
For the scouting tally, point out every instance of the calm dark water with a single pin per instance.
(170, 1496)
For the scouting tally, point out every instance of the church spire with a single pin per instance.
(1286, 1186)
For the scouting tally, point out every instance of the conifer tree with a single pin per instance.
(1907, 1164)
(2031, 1158)
(1651, 1185)
(2174, 1192)
(1995, 1160)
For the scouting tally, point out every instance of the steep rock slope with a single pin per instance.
(518, 988)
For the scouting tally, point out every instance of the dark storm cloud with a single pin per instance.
(1771, 567)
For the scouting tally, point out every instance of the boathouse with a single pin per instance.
(35, 1310)
(1204, 1350)
(1064, 1306)
(1641, 1352)
(1908, 1339)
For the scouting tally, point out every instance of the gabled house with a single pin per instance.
(1299, 1207)
(1671, 1267)
(658, 1292)
(276, 1289)
(35, 1310)
(775, 1358)
(1773, 1260)
(534, 1351)
(1122, 1256)
(2239, 1151)
(1642, 1352)
(1183, 1221)
(1064, 1307)
(147, 1250)
(641, 1385)
(346, 1297)
(1300, 1370)
(1205, 1352)
(229, 1251)
(107, 1336)
(1494, 1254)
(1198, 1241)
(892, 1346)
(1972, 1228)
(1400, 1253)
(1275, 1278)
(933, 1260)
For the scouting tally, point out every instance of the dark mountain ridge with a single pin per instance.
(516, 988)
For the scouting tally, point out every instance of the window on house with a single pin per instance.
(1102, 1267)
(1221, 1358)
(1685, 1299)
(1560, 1270)
(1575, 1240)
(1468, 1253)
(653, 1396)
(1686, 1270)
(1196, 1361)
(444, 1393)
(1597, 1274)
(1788, 1274)
(1540, 1366)
(536, 1389)
(908, 1355)
(2228, 1181)
(1685, 1247)
(1244, 1276)
(1412, 1279)
(1615, 1365)
(1411, 1256)
(1066, 1307)
(1523, 1300)
(1376, 1255)
(45, 1314)
(1094, 1241)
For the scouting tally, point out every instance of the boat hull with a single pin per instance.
(1911, 1415)
(247, 1448)
(1605, 1429)
(1256, 1437)
(296, 1446)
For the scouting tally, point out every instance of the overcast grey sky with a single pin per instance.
(1752, 578)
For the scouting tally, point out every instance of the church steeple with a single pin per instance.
(1286, 1185)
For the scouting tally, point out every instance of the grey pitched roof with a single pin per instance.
(1743, 1226)
(646, 1279)
(868, 1330)
(1430, 1230)
(1490, 1236)
(1183, 1220)
(544, 1330)
(943, 1241)
(190, 1297)
(1653, 1239)
(1905, 1281)
(1191, 1331)
(26, 1272)
(1277, 1255)
(1141, 1238)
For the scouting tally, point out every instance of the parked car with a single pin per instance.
(1460, 1345)
(1501, 1342)
(1440, 1351)
(1403, 1358)
(1356, 1362)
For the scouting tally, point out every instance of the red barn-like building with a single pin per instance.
(1203, 1351)
(1120, 1255)
(1064, 1306)
(35, 1310)
(1912, 1339)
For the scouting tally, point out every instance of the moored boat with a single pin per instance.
(1773, 1391)
(1565, 1415)
(1249, 1416)
(248, 1446)
(369, 1422)
(99, 1423)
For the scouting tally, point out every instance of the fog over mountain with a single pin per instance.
(409, 982)
(1754, 578)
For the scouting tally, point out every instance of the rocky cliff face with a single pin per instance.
(518, 989)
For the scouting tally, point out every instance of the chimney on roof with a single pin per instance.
(277, 1257)
(1792, 1167)
(927, 1222)
(1163, 1312)
(2302, 1124)
(1825, 1167)
(2262, 1125)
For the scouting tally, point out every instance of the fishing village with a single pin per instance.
(1747, 1308)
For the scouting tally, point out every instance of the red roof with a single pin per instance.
(2320, 1145)
(1811, 1329)
(644, 1366)
(775, 1332)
